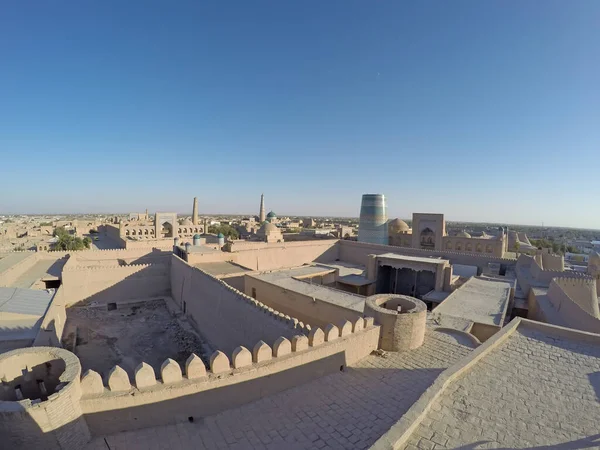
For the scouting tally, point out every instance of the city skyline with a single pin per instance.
(483, 112)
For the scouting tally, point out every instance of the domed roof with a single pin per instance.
(187, 222)
(220, 235)
(267, 228)
(271, 215)
(196, 236)
(398, 226)
(463, 234)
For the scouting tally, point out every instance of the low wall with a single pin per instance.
(250, 374)
(164, 244)
(358, 253)
(11, 274)
(51, 329)
(305, 308)
(263, 256)
(224, 316)
(117, 283)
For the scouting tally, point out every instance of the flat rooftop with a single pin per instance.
(287, 279)
(44, 269)
(418, 259)
(478, 300)
(537, 387)
(7, 260)
(22, 311)
(221, 268)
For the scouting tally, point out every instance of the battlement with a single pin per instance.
(107, 267)
(243, 362)
(578, 278)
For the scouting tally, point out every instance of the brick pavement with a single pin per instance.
(345, 410)
(534, 391)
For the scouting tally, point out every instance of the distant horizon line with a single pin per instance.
(298, 216)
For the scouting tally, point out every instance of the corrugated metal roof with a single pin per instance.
(25, 301)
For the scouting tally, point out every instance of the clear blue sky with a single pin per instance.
(481, 110)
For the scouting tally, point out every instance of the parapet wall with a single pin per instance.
(263, 256)
(224, 316)
(248, 374)
(51, 329)
(108, 284)
(358, 253)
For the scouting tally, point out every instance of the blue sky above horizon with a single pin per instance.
(483, 111)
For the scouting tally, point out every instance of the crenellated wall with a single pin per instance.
(583, 292)
(562, 304)
(224, 316)
(245, 374)
(530, 274)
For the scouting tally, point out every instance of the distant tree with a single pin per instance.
(517, 246)
(87, 241)
(227, 230)
(67, 241)
(46, 224)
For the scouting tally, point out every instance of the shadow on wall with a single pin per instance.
(370, 399)
(586, 442)
(594, 378)
(209, 402)
(26, 433)
(101, 286)
(55, 269)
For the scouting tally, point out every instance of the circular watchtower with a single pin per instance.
(402, 319)
(39, 399)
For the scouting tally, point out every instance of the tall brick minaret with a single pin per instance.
(195, 212)
(261, 215)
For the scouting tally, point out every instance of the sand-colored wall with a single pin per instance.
(402, 331)
(51, 329)
(200, 257)
(479, 246)
(553, 262)
(558, 308)
(222, 315)
(263, 256)
(305, 308)
(11, 274)
(358, 253)
(115, 284)
(217, 390)
(54, 424)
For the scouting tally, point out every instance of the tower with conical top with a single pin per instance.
(261, 215)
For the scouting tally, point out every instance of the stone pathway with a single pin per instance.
(534, 391)
(349, 409)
